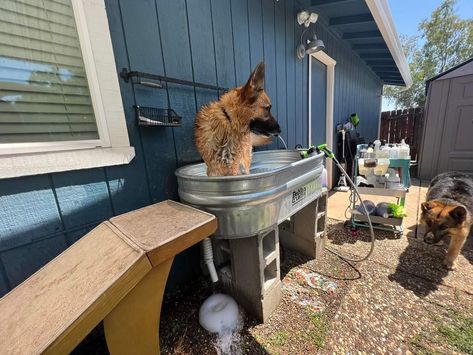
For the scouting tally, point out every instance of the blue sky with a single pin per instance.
(408, 14)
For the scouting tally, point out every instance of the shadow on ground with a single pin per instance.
(418, 258)
(422, 260)
(425, 261)
(290, 260)
(342, 233)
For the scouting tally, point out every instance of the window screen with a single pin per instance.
(44, 95)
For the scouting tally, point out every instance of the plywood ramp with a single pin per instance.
(117, 265)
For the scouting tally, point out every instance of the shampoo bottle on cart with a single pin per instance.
(404, 151)
(394, 152)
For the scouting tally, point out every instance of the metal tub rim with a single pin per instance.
(182, 171)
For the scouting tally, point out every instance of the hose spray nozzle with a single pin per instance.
(324, 149)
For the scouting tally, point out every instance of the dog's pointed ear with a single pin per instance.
(426, 206)
(254, 84)
(458, 214)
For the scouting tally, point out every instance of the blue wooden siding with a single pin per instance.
(356, 88)
(212, 41)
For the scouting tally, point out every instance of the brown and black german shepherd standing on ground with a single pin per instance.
(448, 211)
(227, 129)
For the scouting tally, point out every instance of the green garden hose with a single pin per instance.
(329, 154)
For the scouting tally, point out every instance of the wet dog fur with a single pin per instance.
(226, 130)
(448, 211)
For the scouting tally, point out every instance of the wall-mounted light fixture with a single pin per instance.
(310, 44)
(306, 18)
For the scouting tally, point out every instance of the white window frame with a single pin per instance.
(113, 146)
(330, 63)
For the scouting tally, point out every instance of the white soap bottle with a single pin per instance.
(394, 152)
(404, 150)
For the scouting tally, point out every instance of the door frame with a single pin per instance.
(330, 63)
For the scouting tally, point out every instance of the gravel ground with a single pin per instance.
(400, 301)
(299, 325)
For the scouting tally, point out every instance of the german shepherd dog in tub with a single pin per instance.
(226, 130)
(448, 211)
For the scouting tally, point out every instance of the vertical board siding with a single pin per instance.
(357, 88)
(216, 42)
(255, 32)
(223, 37)
(241, 40)
(176, 51)
(269, 50)
(290, 71)
(280, 104)
(129, 186)
(145, 55)
(298, 87)
(202, 47)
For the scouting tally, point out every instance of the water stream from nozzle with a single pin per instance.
(283, 142)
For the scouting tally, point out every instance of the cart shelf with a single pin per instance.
(358, 216)
(358, 219)
(400, 193)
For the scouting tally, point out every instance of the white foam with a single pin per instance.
(228, 343)
(219, 314)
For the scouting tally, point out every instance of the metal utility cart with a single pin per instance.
(391, 224)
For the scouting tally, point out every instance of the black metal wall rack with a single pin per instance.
(127, 75)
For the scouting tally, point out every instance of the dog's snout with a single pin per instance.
(274, 125)
(266, 126)
(431, 238)
(277, 128)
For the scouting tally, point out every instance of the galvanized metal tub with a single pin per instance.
(279, 184)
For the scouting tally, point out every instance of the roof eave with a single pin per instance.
(382, 16)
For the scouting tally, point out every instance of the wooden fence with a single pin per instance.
(403, 124)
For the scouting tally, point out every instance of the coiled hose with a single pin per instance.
(329, 154)
(367, 215)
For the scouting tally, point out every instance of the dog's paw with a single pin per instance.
(449, 264)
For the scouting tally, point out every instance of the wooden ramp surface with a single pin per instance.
(54, 309)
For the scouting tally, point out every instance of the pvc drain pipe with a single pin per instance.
(209, 258)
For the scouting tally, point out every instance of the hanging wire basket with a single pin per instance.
(152, 116)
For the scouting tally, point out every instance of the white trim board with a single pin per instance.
(382, 16)
(41, 163)
(330, 64)
(113, 147)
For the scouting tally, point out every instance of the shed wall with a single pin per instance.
(448, 127)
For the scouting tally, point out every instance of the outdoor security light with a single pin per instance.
(313, 45)
(306, 18)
